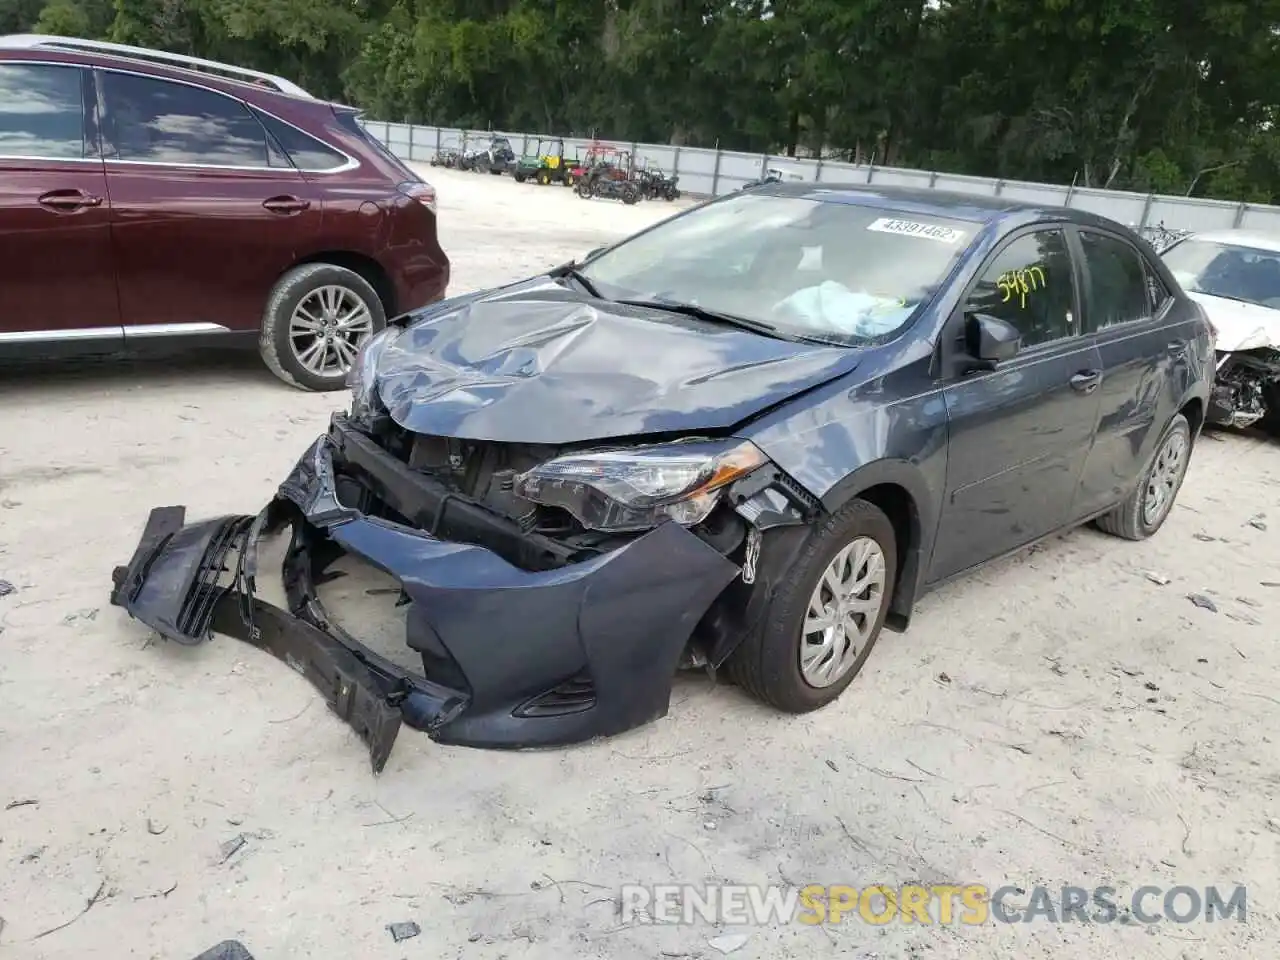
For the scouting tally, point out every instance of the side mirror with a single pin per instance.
(592, 253)
(990, 339)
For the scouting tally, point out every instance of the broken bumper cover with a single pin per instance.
(530, 658)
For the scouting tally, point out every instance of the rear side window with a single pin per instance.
(156, 121)
(41, 112)
(1118, 289)
(350, 119)
(306, 152)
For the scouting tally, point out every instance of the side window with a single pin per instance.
(1118, 286)
(306, 152)
(161, 122)
(41, 112)
(1029, 285)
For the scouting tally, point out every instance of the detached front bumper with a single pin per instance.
(511, 658)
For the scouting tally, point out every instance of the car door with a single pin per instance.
(207, 210)
(1126, 313)
(1019, 434)
(59, 286)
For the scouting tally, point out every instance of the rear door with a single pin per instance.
(207, 210)
(1126, 310)
(59, 287)
(1019, 434)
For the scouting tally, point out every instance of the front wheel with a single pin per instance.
(825, 615)
(584, 189)
(317, 318)
(629, 197)
(1146, 509)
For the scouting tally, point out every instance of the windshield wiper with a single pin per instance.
(714, 316)
(572, 271)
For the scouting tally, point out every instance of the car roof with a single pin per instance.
(926, 201)
(1248, 238)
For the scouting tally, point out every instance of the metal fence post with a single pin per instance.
(1146, 210)
(764, 165)
(437, 139)
(1240, 212)
(871, 167)
(933, 179)
(999, 186)
(715, 173)
(412, 127)
(817, 171)
(675, 162)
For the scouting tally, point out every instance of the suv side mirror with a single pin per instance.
(990, 339)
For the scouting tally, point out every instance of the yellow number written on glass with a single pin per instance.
(1019, 283)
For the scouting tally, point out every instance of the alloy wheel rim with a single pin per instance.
(1163, 481)
(327, 329)
(842, 613)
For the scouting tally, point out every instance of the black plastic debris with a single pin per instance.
(403, 931)
(7, 588)
(226, 950)
(1203, 602)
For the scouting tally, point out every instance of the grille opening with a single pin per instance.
(575, 695)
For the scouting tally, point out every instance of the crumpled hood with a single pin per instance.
(1241, 326)
(538, 363)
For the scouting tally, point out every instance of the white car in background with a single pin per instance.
(1235, 276)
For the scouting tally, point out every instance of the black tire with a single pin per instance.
(584, 189)
(1270, 422)
(1127, 520)
(520, 177)
(629, 197)
(767, 663)
(275, 344)
(497, 172)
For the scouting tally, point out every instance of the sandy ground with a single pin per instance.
(1060, 718)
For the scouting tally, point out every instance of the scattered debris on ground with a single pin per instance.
(403, 931)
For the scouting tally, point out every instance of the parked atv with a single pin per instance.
(608, 182)
(501, 157)
(446, 157)
(654, 184)
(547, 165)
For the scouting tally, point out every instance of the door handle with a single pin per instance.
(1086, 381)
(286, 204)
(68, 200)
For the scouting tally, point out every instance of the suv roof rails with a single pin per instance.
(31, 41)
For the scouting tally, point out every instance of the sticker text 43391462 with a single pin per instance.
(914, 228)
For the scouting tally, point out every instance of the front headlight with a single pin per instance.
(363, 375)
(636, 488)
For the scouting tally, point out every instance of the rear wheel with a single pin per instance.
(1147, 508)
(544, 177)
(317, 318)
(826, 614)
(584, 189)
(629, 196)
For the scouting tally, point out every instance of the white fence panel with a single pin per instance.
(709, 172)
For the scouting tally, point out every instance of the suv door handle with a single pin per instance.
(286, 204)
(1086, 381)
(67, 200)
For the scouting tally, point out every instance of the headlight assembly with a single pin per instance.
(362, 377)
(636, 488)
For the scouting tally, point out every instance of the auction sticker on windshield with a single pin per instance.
(911, 228)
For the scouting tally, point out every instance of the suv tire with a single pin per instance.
(767, 664)
(1129, 520)
(281, 351)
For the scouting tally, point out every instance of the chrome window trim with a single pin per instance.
(115, 332)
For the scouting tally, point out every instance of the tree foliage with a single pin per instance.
(1171, 96)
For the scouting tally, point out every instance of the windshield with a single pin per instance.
(1227, 270)
(806, 267)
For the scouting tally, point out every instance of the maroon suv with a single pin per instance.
(148, 198)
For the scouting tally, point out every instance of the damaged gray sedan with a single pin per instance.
(749, 437)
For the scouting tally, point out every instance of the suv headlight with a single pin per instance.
(636, 488)
(363, 376)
